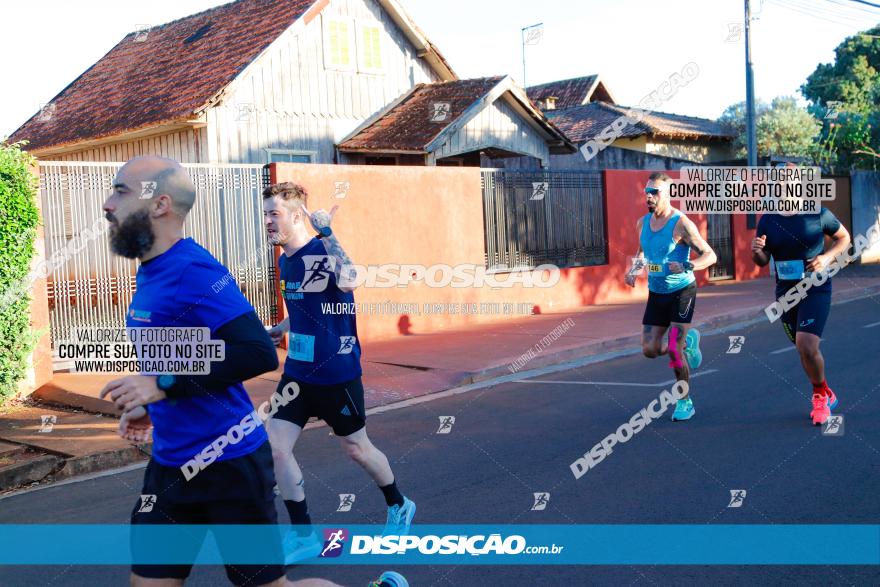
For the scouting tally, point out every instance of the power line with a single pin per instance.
(807, 11)
(866, 3)
(862, 11)
(825, 13)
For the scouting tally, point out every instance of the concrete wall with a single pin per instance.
(698, 151)
(841, 205)
(866, 208)
(425, 216)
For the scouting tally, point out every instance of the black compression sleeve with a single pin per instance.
(249, 352)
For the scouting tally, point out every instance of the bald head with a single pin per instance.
(153, 176)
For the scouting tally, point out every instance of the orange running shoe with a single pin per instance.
(821, 411)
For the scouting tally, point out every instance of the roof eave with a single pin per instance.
(380, 150)
(426, 50)
(143, 132)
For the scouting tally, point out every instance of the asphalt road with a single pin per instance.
(751, 431)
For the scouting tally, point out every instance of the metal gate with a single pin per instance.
(720, 238)
(538, 217)
(90, 286)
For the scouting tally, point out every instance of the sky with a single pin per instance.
(634, 45)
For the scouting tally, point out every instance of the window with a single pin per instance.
(339, 44)
(288, 156)
(369, 48)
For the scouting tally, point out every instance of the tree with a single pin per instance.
(19, 217)
(854, 77)
(783, 128)
(846, 95)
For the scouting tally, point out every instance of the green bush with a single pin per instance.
(19, 217)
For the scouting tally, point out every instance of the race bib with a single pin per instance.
(301, 347)
(655, 268)
(790, 270)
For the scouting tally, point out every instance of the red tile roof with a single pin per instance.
(570, 92)
(164, 74)
(408, 124)
(583, 123)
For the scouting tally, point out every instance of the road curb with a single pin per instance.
(633, 342)
(50, 468)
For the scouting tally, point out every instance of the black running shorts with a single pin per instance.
(341, 406)
(235, 491)
(666, 308)
(809, 315)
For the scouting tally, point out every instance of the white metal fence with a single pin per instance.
(93, 287)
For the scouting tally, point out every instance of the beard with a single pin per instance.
(278, 239)
(651, 207)
(133, 237)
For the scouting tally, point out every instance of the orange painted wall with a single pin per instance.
(430, 215)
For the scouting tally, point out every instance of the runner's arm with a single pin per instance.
(840, 242)
(760, 256)
(343, 268)
(278, 331)
(633, 273)
(690, 234)
(249, 353)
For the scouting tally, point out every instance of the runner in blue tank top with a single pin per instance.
(666, 237)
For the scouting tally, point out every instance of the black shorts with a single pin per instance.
(235, 491)
(341, 405)
(665, 308)
(809, 315)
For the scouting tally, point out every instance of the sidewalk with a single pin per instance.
(83, 437)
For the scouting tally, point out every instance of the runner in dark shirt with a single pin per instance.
(796, 244)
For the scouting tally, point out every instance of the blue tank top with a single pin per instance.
(660, 249)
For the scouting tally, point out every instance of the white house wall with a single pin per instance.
(189, 146)
(288, 100)
(499, 126)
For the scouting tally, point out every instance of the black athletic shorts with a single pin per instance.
(665, 308)
(235, 491)
(341, 406)
(809, 315)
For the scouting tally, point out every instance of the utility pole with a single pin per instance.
(533, 37)
(750, 93)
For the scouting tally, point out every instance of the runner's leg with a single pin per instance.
(362, 451)
(677, 335)
(654, 341)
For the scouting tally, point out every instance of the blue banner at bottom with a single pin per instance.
(448, 544)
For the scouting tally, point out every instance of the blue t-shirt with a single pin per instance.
(795, 239)
(323, 347)
(182, 288)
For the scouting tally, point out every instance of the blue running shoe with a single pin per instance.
(399, 518)
(300, 548)
(692, 353)
(684, 410)
(832, 399)
(390, 579)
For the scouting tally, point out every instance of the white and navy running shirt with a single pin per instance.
(323, 347)
(175, 290)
